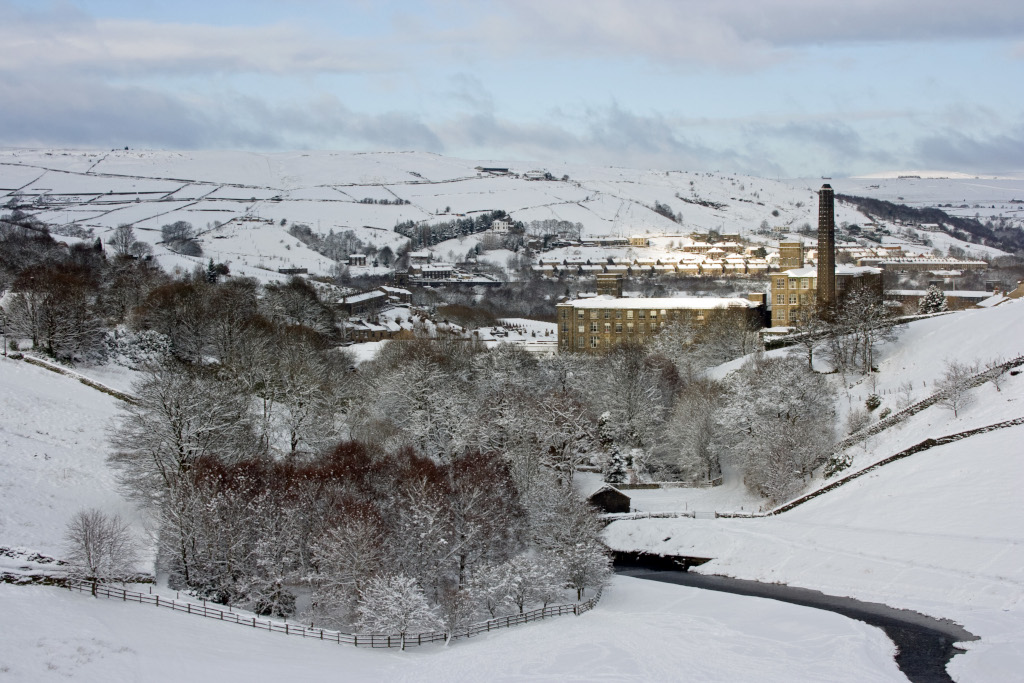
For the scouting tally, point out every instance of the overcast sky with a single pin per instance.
(772, 87)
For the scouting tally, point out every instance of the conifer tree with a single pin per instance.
(933, 301)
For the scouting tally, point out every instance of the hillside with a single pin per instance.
(237, 201)
(937, 532)
(53, 462)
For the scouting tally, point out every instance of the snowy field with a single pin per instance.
(252, 193)
(641, 631)
(938, 532)
(52, 455)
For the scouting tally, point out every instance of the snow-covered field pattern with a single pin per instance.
(938, 532)
(242, 204)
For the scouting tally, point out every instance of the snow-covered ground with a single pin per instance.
(238, 200)
(641, 631)
(52, 456)
(938, 532)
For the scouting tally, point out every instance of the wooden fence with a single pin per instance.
(372, 640)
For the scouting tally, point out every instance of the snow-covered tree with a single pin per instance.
(567, 529)
(615, 467)
(533, 578)
(99, 547)
(685, 447)
(777, 423)
(346, 558)
(955, 386)
(178, 416)
(393, 604)
(933, 301)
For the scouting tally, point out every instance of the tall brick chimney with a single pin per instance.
(826, 248)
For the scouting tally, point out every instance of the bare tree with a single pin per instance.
(178, 417)
(99, 547)
(122, 240)
(955, 386)
(994, 367)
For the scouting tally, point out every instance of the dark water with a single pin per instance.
(925, 644)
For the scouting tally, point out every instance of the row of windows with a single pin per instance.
(781, 299)
(595, 328)
(595, 314)
(780, 314)
(804, 283)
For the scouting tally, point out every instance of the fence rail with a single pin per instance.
(371, 640)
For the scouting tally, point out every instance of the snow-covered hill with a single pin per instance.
(52, 456)
(52, 463)
(238, 200)
(938, 532)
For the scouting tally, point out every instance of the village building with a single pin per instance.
(609, 499)
(362, 303)
(419, 258)
(800, 292)
(601, 323)
(397, 295)
(929, 263)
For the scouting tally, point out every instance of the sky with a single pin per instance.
(777, 88)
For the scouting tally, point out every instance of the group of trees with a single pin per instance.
(420, 478)
(428, 234)
(848, 333)
(64, 299)
(337, 246)
(552, 228)
(180, 237)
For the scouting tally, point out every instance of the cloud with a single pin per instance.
(84, 112)
(78, 43)
(727, 33)
(952, 149)
(606, 135)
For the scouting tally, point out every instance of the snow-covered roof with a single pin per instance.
(957, 293)
(936, 261)
(812, 271)
(993, 300)
(365, 296)
(676, 303)
(396, 290)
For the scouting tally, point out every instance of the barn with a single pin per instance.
(609, 499)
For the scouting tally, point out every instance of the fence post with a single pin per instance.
(254, 622)
(158, 600)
